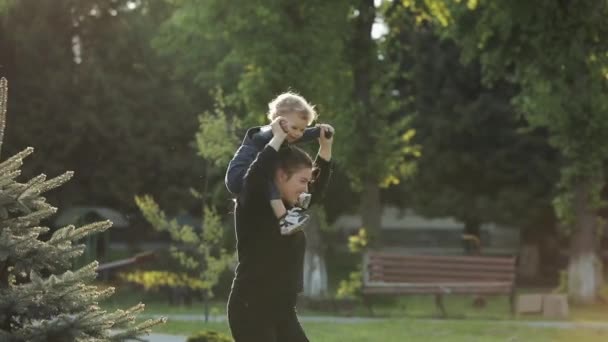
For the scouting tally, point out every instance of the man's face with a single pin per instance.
(291, 187)
(297, 123)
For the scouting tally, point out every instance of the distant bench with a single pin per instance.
(397, 274)
(137, 259)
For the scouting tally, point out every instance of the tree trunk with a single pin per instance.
(371, 211)
(584, 269)
(315, 269)
(364, 56)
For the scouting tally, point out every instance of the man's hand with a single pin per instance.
(279, 127)
(325, 143)
(279, 131)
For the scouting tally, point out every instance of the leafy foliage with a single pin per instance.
(198, 252)
(209, 336)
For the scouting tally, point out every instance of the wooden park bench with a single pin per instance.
(397, 274)
(105, 269)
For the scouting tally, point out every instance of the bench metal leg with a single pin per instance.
(512, 302)
(439, 304)
(367, 302)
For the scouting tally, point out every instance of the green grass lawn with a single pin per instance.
(156, 303)
(458, 307)
(399, 330)
(407, 320)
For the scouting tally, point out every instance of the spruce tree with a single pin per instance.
(41, 298)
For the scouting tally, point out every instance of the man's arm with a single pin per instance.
(323, 165)
(260, 174)
(322, 174)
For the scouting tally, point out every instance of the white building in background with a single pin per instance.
(405, 231)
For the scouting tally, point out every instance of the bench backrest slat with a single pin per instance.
(396, 268)
(430, 273)
(447, 265)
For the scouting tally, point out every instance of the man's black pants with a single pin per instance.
(255, 320)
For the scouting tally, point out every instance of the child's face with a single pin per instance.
(296, 126)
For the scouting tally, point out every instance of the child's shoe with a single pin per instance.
(293, 221)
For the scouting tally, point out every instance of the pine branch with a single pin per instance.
(57, 181)
(43, 298)
(15, 162)
(56, 254)
(30, 219)
(3, 106)
(9, 177)
(124, 319)
(69, 233)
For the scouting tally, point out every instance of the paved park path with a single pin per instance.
(164, 338)
(356, 320)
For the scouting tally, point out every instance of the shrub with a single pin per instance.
(209, 336)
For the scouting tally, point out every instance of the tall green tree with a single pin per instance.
(382, 153)
(100, 80)
(481, 161)
(555, 52)
(322, 49)
(41, 298)
(255, 50)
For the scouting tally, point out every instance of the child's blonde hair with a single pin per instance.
(290, 102)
